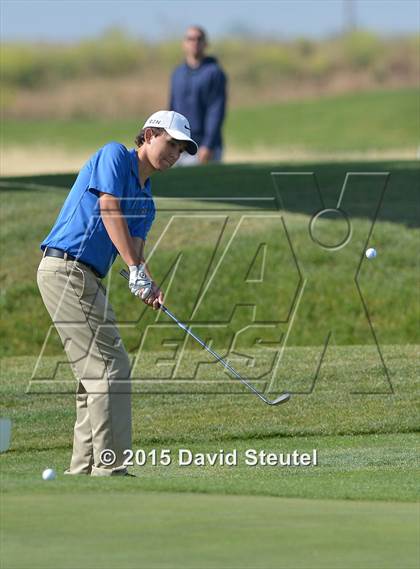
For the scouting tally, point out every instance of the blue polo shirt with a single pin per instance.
(79, 229)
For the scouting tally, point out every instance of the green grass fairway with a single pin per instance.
(361, 511)
(376, 120)
(114, 529)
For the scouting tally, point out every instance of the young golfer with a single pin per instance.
(109, 210)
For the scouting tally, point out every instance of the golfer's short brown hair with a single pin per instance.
(139, 140)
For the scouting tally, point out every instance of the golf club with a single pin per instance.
(282, 398)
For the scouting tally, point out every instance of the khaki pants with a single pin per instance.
(76, 301)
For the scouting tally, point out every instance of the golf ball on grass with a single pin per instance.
(49, 474)
(371, 253)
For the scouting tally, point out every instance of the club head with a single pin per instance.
(283, 398)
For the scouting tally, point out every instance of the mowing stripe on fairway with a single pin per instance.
(196, 531)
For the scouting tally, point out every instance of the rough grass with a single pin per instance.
(361, 511)
(361, 437)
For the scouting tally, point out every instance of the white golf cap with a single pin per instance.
(176, 125)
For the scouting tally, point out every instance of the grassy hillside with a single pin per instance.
(376, 120)
(356, 122)
(206, 249)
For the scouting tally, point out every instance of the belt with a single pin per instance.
(59, 254)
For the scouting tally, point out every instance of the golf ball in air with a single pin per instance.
(49, 474)
(371, 253)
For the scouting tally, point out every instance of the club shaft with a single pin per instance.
(212, 352)
(219, 358)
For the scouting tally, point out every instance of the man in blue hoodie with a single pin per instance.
(198, 91)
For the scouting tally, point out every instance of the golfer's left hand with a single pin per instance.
(155, 298)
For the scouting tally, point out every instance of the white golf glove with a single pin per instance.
(139, 283)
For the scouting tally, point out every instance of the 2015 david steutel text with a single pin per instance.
(248, 457)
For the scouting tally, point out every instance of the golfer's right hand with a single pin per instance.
(155, 298)
(139, 282)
